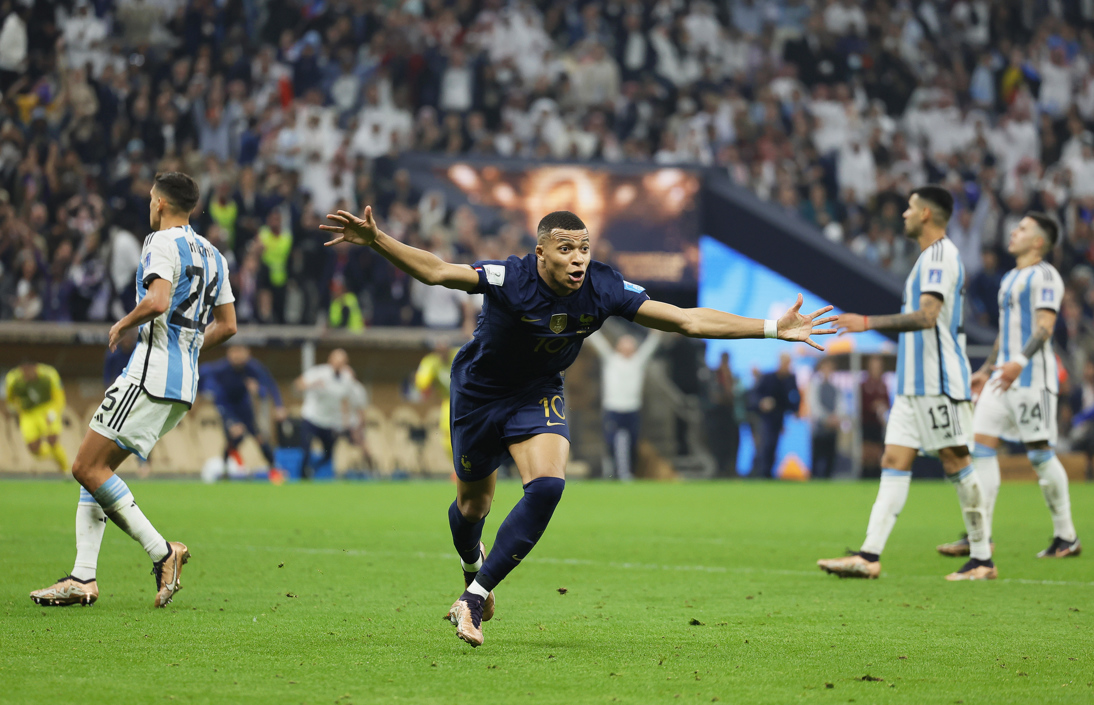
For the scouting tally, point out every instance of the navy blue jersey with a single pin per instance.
(527, 334)
(228, 384)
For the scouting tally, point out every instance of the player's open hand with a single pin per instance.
(1008, 373)
(850, 323)
(795, 326)
(350, 228)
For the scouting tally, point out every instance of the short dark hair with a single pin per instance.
(180, 190)
(559, 220)
(938, 197)
(1048, 226)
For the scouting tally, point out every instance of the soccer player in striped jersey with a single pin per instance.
(1018, 386)
(184, 305)
(933, 408)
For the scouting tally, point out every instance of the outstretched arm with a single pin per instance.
(711, 323)
(423, 266)
(923, 317)
(602, 347)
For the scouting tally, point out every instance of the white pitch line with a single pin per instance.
(362, 553)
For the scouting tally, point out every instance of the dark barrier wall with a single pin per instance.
(796, 250)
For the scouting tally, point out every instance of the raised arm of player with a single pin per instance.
(155, 301)
(1045, 323)
(423, 266)
(711, 323)
(222, 327)
(922, 318)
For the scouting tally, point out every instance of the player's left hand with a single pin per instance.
(116, 335)
(797, 327)
(1008, 373)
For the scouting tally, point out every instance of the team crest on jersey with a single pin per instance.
(586, 319)
(558, 322)
(934, 276)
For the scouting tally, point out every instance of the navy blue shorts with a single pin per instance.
(238, 413)
(482, 430)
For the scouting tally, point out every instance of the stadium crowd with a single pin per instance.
(287, 109)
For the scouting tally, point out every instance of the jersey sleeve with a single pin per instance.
(225, 295)
(1048, 289)
(620, 297)
(939, 276)
(159, 258)
(492, 276)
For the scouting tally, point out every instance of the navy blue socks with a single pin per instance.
(521, 530)
(466, 535)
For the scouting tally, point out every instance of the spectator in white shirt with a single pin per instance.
(13, 48)
(856, 172)
(622, 374)
(327, 395)
(457, 84)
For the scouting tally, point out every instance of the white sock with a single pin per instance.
(1053, 481)
(971, 497)
(117, 501)
(90, 527)
(475, 589)
(986, 463)
(891, 496)
(472, 567)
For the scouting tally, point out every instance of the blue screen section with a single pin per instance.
(730, 281)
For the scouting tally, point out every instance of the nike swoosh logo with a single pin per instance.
(529, 320)
(555, 423)
(516, 558)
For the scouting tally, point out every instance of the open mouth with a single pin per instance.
(575, 277)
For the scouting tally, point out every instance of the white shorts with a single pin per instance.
(929, 422)
(134, 420)
(1025, 414)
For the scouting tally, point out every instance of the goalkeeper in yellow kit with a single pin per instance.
(34, 391)
(435, 373)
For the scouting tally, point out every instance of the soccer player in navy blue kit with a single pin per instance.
(228, 380)
(506, 394)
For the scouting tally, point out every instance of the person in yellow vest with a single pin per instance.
(345, 309)
(434, 375)
(275, 239)
(35, 393)
(224, 211)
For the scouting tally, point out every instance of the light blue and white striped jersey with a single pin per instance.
(165, 361)
(933, 361)
(1021, 294)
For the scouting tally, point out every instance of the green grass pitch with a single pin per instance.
(675, 593)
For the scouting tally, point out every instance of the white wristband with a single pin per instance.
(1021, 360)
(771, 328)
